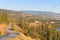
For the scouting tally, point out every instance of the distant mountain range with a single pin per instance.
(42, 14)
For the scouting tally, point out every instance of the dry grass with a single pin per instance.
(2, 29)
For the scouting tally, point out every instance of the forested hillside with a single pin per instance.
(30, 27)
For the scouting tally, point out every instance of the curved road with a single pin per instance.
(10, 34)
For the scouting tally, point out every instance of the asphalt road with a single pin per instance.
(10, 34)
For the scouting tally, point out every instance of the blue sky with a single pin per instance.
(36, 5)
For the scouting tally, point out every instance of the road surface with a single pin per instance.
(10, 34)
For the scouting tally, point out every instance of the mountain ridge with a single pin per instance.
(44, 14)
(51, 15)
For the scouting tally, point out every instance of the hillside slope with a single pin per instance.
(44, 14)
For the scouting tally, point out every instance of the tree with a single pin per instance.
(4, 18)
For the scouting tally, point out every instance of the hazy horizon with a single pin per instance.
(34, 5)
